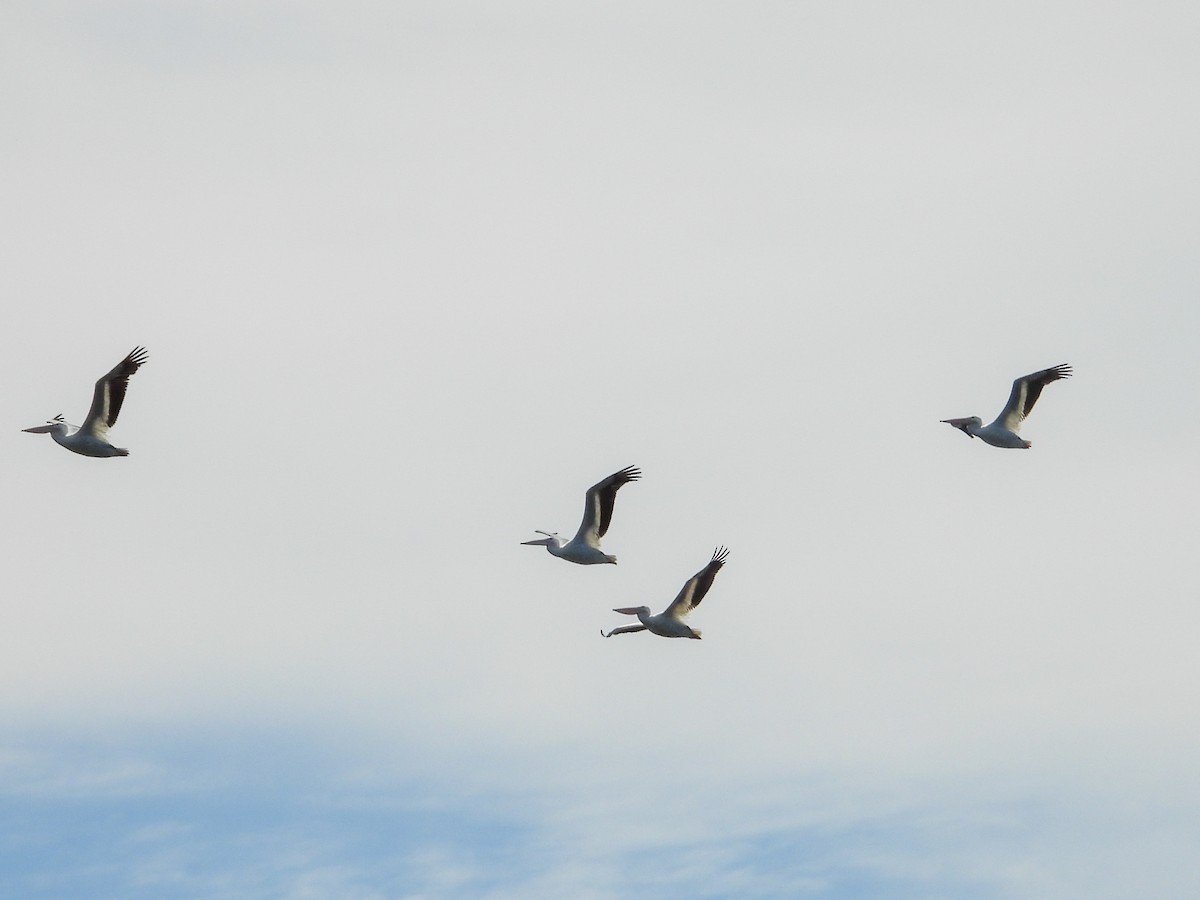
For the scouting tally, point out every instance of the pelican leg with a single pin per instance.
(624, 630)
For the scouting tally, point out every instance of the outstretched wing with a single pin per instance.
(110, 394)
(697, 586)
(1025, 392)
(624, 629)
(598, 505)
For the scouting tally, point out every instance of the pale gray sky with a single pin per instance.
(413, 275)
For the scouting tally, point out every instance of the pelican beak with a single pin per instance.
(39, 429)
(540, 542)
(960, 424)
(627, 610)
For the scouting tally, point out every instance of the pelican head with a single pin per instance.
(50, 427)
(964, 425)
(550, 540)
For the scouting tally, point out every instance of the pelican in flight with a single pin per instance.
(1004, 431)
(584, 548)
(670, 622)
(91, 438)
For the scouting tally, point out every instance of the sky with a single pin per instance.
(413, 275)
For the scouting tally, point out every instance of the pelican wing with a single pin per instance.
(110, 394)
(697, 586)
(1025, 392)
(598, 505)
(624, 629)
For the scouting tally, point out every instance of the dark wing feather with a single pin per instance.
(598, 504)
(697, 586)
(111, 388)
(1037, 381)
(1025, 391)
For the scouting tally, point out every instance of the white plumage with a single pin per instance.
(584, 548)
(670, 622)
(91, 438)
(1005, 430)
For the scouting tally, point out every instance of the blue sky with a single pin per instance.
(412, 276)
(266, 814)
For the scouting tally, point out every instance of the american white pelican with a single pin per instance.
(669, 623)
(584, 548)
(91, 438)
(1003, 431)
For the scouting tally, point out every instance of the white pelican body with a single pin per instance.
(670, 622)
(584, 548)
(91, 438)
(1004, 431)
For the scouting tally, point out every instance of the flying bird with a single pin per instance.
(1004, 431)
(91, 438)
(670, 622)
(584, 548)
